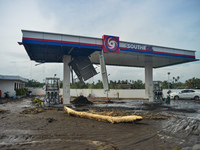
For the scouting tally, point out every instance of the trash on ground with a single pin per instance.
(32, 111)
(3, 111)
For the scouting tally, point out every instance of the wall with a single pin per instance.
(8, 85)
(132, 93)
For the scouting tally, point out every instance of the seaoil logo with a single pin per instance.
(110, 44)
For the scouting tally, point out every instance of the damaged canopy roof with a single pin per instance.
(51, 47)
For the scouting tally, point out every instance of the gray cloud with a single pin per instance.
(164, 23)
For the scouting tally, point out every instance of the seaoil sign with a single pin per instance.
(139, 47)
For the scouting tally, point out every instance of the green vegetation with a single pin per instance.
(21, 91)
(34, 84)
(37, 100)
(193, 83)
(120, 84)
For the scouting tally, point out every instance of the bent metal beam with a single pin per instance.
(45, 47)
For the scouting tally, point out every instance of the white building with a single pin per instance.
(10, 84)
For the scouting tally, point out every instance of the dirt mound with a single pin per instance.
(81, 100)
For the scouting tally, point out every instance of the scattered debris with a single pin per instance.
(50, 120)
(109, 102)
(37, 101)
(32, 111)
(60, 109)
(145, 115)
(3, 111)
(157, 116)
(112, 113)
(81, 100)
(175, 148)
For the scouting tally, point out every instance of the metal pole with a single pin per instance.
(168, 79)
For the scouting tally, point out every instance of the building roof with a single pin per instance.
(16, 78)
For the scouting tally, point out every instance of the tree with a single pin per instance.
(193, 83)
(34, 83)
(138, 84)
(78, 85)
(99, 85)
(61, 84)
(112, 85)
(165, 84)
(119, 82)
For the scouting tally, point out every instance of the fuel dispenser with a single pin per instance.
(158, 93)
(52, 87)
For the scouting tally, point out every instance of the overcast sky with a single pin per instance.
(169, 23)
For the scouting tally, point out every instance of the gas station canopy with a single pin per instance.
(78, 53)
(47, 47)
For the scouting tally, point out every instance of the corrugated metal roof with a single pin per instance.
(9, 77)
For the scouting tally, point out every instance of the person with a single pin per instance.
(6, 94)
(29, 93)
(168, 99)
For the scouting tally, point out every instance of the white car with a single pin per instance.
(185, 94)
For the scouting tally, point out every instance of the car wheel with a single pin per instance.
(176, 97)
(196, 98)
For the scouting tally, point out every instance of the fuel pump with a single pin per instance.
(52, 87)
(158, 93)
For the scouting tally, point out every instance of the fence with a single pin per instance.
(114, 93)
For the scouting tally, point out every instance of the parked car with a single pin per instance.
(185, 94)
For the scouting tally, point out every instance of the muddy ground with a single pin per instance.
(23, 125)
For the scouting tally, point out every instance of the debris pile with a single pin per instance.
(81, 100)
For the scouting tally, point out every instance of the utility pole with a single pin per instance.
(168, 79)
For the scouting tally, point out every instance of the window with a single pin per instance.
(185, 91)
(191, 91)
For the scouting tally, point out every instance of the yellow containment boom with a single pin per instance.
(103, 118)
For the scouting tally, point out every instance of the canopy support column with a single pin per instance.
(66, 79)
(149, 81)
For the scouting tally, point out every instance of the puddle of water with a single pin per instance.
(185, 130)
(17, 131)
(11, 136)
(125, 104)
(15, 107)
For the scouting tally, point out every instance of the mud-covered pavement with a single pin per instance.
(26, 126)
